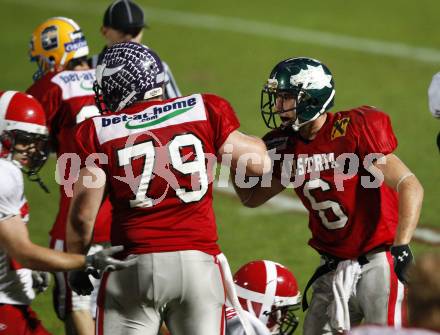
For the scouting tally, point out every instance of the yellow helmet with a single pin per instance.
(55, 43)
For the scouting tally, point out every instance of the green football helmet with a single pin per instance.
(311, 84)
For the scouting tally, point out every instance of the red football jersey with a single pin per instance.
(68, 99)
(349, 213)
(160, 158)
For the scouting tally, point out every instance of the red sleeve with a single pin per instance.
(50, 97)
(221, 117)
(375, 132)
(86, 141)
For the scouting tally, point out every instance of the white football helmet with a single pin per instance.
(269, 291)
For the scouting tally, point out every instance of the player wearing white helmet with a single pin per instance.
(269, 294)
(24, 148)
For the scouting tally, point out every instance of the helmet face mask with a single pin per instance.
(129, 72)
(308, 82)
(30, 147)
(282, 320)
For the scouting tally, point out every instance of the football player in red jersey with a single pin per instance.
(363, 202)
(155, 158)
(64, 86)
(24, 148)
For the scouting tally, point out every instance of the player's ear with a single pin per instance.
(103, 31)
(138, 37)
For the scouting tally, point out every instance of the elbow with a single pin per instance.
(250, 204)
(420, 191)
(414, 188)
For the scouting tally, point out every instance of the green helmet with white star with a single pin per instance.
(308, 80)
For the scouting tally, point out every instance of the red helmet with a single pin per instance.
(270, 292)
(23, 121)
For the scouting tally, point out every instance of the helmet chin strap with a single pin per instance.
(155, 92)
(296, 125)
(32, 176)
(124, 102)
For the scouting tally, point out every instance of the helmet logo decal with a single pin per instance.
(49, 38)
(76, 44)
(312, 78)
(110, 71)
(272, 84)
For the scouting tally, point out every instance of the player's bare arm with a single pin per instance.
(257, 195)
(88, 193)
(239, 145)
(254, 147)
(14, 238)
(398, 176)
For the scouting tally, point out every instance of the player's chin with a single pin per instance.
(285, 121)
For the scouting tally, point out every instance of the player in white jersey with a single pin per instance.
(269, 295)
(24, 148)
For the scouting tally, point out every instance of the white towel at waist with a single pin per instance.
(344, 283)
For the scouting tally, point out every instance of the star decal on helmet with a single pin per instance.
(312, 78)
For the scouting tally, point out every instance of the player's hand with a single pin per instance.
(40, 281)
(403, 258)
(79, 282)
(102, 260)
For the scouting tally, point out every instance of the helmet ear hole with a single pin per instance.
(6, 142)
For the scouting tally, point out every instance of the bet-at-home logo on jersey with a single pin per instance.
(75, 83)
(312, 78)
(182, 110)
(153, 115)
(77, 76)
